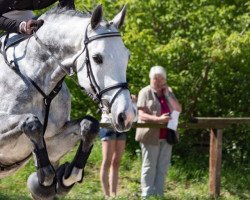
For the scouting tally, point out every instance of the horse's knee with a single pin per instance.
(89, 130)
(39, 191)
(32, 127)
(90, 125)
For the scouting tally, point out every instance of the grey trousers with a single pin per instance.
(155, 163)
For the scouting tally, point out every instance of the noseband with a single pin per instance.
(104, 104)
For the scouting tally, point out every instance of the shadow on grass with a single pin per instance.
(13, 197)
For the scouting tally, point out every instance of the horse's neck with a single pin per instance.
(43, 68)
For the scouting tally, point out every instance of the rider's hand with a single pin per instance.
(30, 26)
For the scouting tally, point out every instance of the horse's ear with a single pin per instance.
(96, 16)
(119, 18)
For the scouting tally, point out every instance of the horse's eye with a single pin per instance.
(98, 58)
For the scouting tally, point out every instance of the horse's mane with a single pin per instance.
(64, 12)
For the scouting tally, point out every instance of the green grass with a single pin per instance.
(187, 179)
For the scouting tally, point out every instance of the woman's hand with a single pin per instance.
(166, 90)
(164, 118)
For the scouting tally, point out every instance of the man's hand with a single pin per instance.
(30, 26)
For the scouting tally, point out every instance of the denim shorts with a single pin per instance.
(109, 134)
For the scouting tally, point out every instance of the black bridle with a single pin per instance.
(104, 104)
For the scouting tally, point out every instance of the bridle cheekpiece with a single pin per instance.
(104, 104)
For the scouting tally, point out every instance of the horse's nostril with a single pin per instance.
(121, 118)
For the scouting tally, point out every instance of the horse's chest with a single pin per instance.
(59, 113)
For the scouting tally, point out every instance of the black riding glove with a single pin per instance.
(30, 26)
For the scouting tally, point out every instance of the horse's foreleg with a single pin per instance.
(33, 129)
(40, 183)
(70, 173)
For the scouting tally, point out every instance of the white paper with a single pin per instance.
(173, 122)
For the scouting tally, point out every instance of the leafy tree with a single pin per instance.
(204, 46)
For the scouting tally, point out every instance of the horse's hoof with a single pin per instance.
(61, 189)
(38, 191)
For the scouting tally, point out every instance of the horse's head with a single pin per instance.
(104, 61)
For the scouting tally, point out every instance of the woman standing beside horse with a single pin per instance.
(113, 147)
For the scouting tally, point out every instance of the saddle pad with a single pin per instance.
(15, 39)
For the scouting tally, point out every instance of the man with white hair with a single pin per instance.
(155, 104)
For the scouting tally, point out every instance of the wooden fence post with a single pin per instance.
(215, 162)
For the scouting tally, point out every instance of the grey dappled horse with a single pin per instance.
(68, 40)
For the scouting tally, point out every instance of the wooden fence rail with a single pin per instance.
(216, 126)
